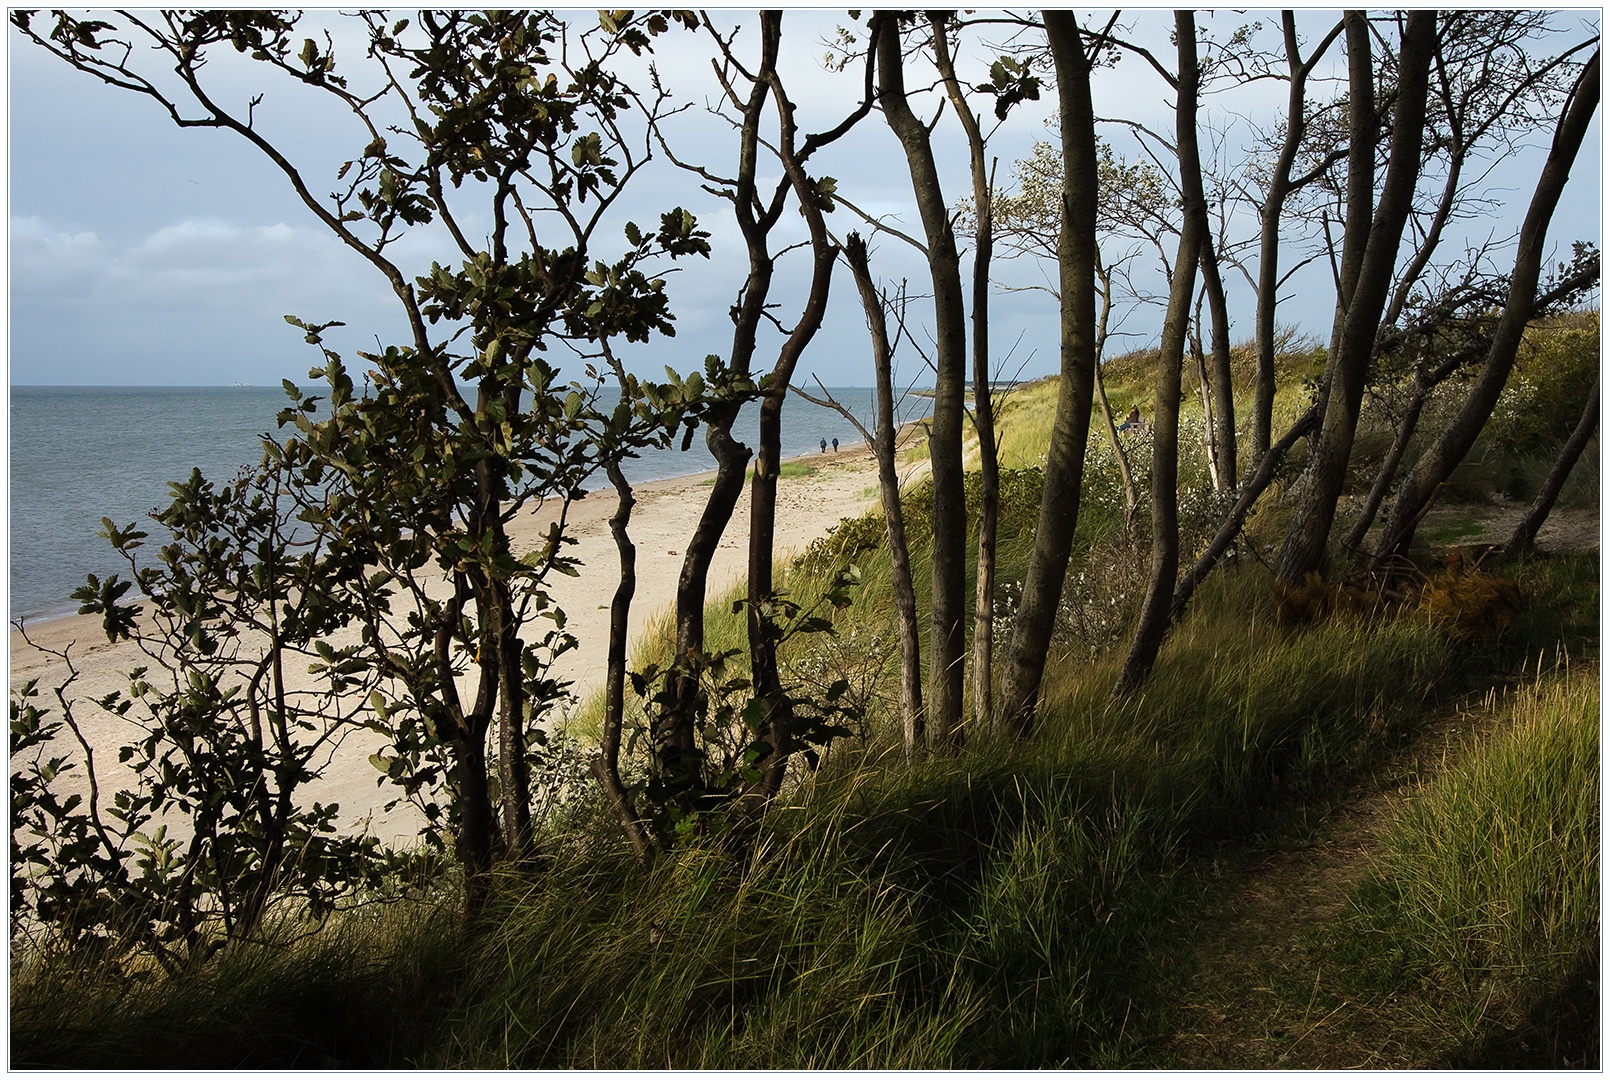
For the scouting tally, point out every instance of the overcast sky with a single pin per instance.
(144, 254)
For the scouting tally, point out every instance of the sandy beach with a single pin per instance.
(843, 484)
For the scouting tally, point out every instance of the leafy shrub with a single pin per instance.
(1554, 372)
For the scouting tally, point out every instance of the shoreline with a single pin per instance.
(843, 484)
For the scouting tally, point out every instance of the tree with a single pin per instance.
(947, 603)
(1520, 541)
(469, 421)
(1064, 468)
(1028, 222)
(1438, 462)
(1369, 253)
(989, 496)
(1157, 610)
(882, 442)
(680, 766)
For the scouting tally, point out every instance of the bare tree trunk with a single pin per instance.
(947, 605)
(606, 764)
(989, 497)
(1439, 462)
(1220, 378)
(1156, 613)
(1280, 187)
(894, 518)
(763, 492)
(1108, 424)
(1304, 550)
(1064, 464)
(1526, 532)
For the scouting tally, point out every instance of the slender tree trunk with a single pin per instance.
(1526, 532)
(1220, 377)
(1156, 613)
(1304, 550)
(1439, 462)
(675, 735)
(763, 493)
(1280, 187)
(1389, 468)
(894, 519)
(1108, 425)
(947, 605)
(1065, 456)
(1364, 132)
(606, 764)
(989, 497)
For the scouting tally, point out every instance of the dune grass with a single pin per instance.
(994, 908)
(1483, 914)
(1015, 905)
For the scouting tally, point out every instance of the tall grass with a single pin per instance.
(993, 908)
(1485, 906)
(368, 989)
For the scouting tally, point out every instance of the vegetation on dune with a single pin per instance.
(784, 835)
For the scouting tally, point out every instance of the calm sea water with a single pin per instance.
(82, 453)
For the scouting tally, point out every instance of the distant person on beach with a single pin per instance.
(824, 445)
(835, 444)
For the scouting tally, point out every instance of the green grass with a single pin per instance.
(1016, 905)
(1484, 913)
(788, 470)
(993, 908)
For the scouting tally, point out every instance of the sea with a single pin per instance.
(81, 453)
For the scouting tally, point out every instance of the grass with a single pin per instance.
(788, 470)
(1015, 905)
(1484, 911)
(996, 908)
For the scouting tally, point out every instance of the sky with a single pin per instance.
(144, 254)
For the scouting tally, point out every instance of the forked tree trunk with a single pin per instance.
(947, 603)
(1070, 432)
(1439, 462)
(1304, 549)
(1157, 611)
(1280, 187)
(763, 492)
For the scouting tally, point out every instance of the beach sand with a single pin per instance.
(843, 485)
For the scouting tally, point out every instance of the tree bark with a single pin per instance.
(1526, 532)
(763, 491)
(1280, 187)
(989, 493)
(894, 518)
(1220, 378)
(1439, 462)
(606, 763)
(1065, 456)
(947, 604)
(1157, 612)
(1304, 550)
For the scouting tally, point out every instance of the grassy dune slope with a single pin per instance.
(1059, 903)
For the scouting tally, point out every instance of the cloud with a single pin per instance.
(52, 262)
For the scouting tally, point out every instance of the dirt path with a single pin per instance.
(1261, 996)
